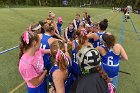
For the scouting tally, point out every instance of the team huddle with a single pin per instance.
(83, 60)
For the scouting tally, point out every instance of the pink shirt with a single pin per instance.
(31, 66)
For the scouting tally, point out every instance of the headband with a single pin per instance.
(37, 27)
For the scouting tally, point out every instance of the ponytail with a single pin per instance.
(21, 47)
(26, 41)
(111, 87)
(103, 74)
(81, 38)
(103, 24)
(108, 40)
(61, 60)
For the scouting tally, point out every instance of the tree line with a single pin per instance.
(57, 3)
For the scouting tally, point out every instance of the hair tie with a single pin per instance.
(26, 37)
(83, 32)
(59, 55)
(111, 88)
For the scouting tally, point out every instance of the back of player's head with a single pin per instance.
(82, 37)
(88, 58)
(49, 27)
(42, 22)
(108, 40)
(26, 41)
(35, 26)
(103, 24)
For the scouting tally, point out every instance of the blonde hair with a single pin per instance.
(51, 14)
(82, 37)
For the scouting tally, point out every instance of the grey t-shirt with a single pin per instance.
(92, 83)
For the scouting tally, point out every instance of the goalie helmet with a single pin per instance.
(88, 58)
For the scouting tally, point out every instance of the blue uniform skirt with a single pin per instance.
(42, 88)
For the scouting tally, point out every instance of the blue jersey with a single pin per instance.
(68, 82)
(91, 41)
(70, 33)
(75, 70)
(59, 27)
(45, 45)
(97, 42)
(77, 23)
(74, 52)
(110, 63)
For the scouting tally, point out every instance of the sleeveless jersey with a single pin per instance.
(74, 51)
(45, 45)
(70, 33)
(59, 27)
(68, 82)
(110, 63)
(77, 23)
(91, 40)
(75, 67)
(97, 42)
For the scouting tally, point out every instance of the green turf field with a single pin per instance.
(13, 22)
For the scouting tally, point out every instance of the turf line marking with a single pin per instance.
(16, 88)
(116, 79)
(122, 32)
(7, 50)
(133, 26)
(100, 15)
(19, 14)
(135, 30)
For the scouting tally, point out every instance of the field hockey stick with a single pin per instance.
(125, 72)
